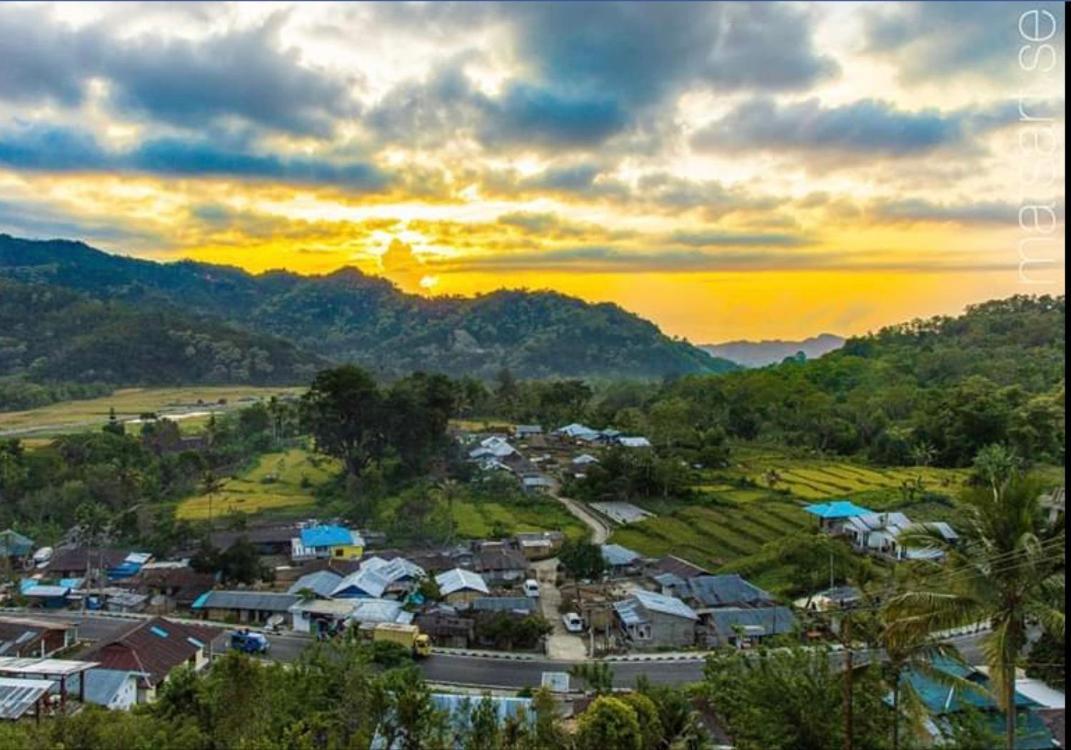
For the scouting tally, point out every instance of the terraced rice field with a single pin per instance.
(278, 483)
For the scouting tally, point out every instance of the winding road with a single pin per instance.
(600, 532)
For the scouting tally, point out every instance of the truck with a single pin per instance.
(407, 636)
(250, 643)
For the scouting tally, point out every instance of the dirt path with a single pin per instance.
(600, 532)
(561, 644)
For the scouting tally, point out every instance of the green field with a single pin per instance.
(128, 403)
(279, 483)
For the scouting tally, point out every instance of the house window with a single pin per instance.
(338, 552)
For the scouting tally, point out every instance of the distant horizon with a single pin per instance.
(736, 170)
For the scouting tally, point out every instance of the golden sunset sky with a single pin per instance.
(735, 170)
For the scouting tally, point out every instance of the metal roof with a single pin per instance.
(503, 604)
(615, 554)
(58, 667)
(328, 536)
(102, 685)
(723, 590)
(47, 591)
(364, 581)
(378, 610)
(263, 601)
(393, 570)
(667, 605)
(754, 620)
(17, 696)
(333, 607)
(634, 442)
(585, 458)
(320, 582)
(837, 509)
(460, 579)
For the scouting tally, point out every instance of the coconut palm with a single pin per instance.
(1007, 570)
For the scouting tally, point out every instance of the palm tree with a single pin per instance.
(210, 485)
(1007, 570)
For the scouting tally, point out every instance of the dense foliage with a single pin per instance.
(348, 316)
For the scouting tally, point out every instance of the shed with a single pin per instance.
(729, 590)
(244, 606)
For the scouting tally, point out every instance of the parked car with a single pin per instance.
(250, 643)
(531, 588)
(573, 622)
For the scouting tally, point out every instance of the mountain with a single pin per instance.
(762, 353)
(348, 316)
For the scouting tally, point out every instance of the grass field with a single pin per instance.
(129, 403)
(279, 483)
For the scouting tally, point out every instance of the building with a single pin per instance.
(321, 615)
(744, 626)
(48, 596)
(539, 545)
(379, 610)
(27, 637)
(114, 689)
(577, 431)
(833, 515)
(320, 584)
(727, 591)
(446, 628)
(526, 431)
(78, 561)
(250, 607)
(267, 540)
(171, 588)
(501, 566)
(365, 583)
(535, 482)
(881, 534)
(651, 620)
(621, 561)
(945, 700)
(520, 605)
(15, 547)
(326, 541)
(460, 586)
(633, 442)
(584, 459)
(153, 648)
(494, 447)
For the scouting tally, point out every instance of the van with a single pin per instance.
(531, 588)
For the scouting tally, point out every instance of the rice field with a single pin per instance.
(277, 483)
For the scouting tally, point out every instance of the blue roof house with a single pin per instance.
(834, 514)
(326, 540)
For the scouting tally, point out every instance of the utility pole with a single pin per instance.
(847, 635)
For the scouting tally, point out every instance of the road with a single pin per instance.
(483, 671)
(599, 531)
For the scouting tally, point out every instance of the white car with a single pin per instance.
(573, 622)
(531, 588)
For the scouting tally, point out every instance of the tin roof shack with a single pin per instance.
(744, 626)
(26, 637)
(651, 620)
(501, 565)
(153, 648)
(22, 680)
(539, 545)
(171, 588)
(459, 587)
(244, 606)
(621, 561)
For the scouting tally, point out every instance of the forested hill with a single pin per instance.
(349, 316)
(928, 391)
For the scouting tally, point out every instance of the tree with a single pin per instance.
(1007, 570)
(598, 676)
(582, 559)
(609, 723)
(211, 485)
(344, 411)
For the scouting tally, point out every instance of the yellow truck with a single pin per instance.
(408, 636)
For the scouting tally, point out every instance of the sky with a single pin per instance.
(727, 170)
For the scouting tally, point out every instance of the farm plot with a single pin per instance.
(277, 483)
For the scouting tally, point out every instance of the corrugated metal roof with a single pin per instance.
(503, 604)
(327, 535)
(755, 620)
(394, 570)
(17, 696)
(837, 509)
(377, 610)
(33, 666)
(102, 685)
(47, 591)
(615, 554)
(263, 601)
(667, 605)
(460, 579)
(320, 582)
(723, 590)
(365, 581)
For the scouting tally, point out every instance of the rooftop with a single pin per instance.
(725, 590)
(837, 509)
(329, 536)
(460, 579)
(262, 601)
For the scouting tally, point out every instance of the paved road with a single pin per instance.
(599, 531)
(476, 670)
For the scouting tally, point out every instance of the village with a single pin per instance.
(510, 595)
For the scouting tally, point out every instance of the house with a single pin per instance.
(364, 583)
(577, 431)
(743, 626)
(880, 533)
(944, 700)
(651, 620)
(460, 586)
(585, 459)
(537, 483)
(493, 447)
(15, 547)
(446, 628)
(633, 442)
(378, 576)
(727, 591)
(379, 610)
(114, 689)
(122, 600)
(621, 561)
(243, 606)
(129, 566)
(171, 587)
(27, 637)
(268, 539)
(321, 615)
(834, 514)
(501, 566)
(320, 583)
(48, 596)
(521, 605)
(153, 648)
(525, 431)
(538, 545)
(428, 560)
(326, 541)
(76, 561)
(678, 566)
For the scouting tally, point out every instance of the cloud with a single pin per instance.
(60, 149)
(237, 75)
(975, 212)
(402, 266)
(529, 115)
(867, 127)
(711, 238)
(931, 41)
